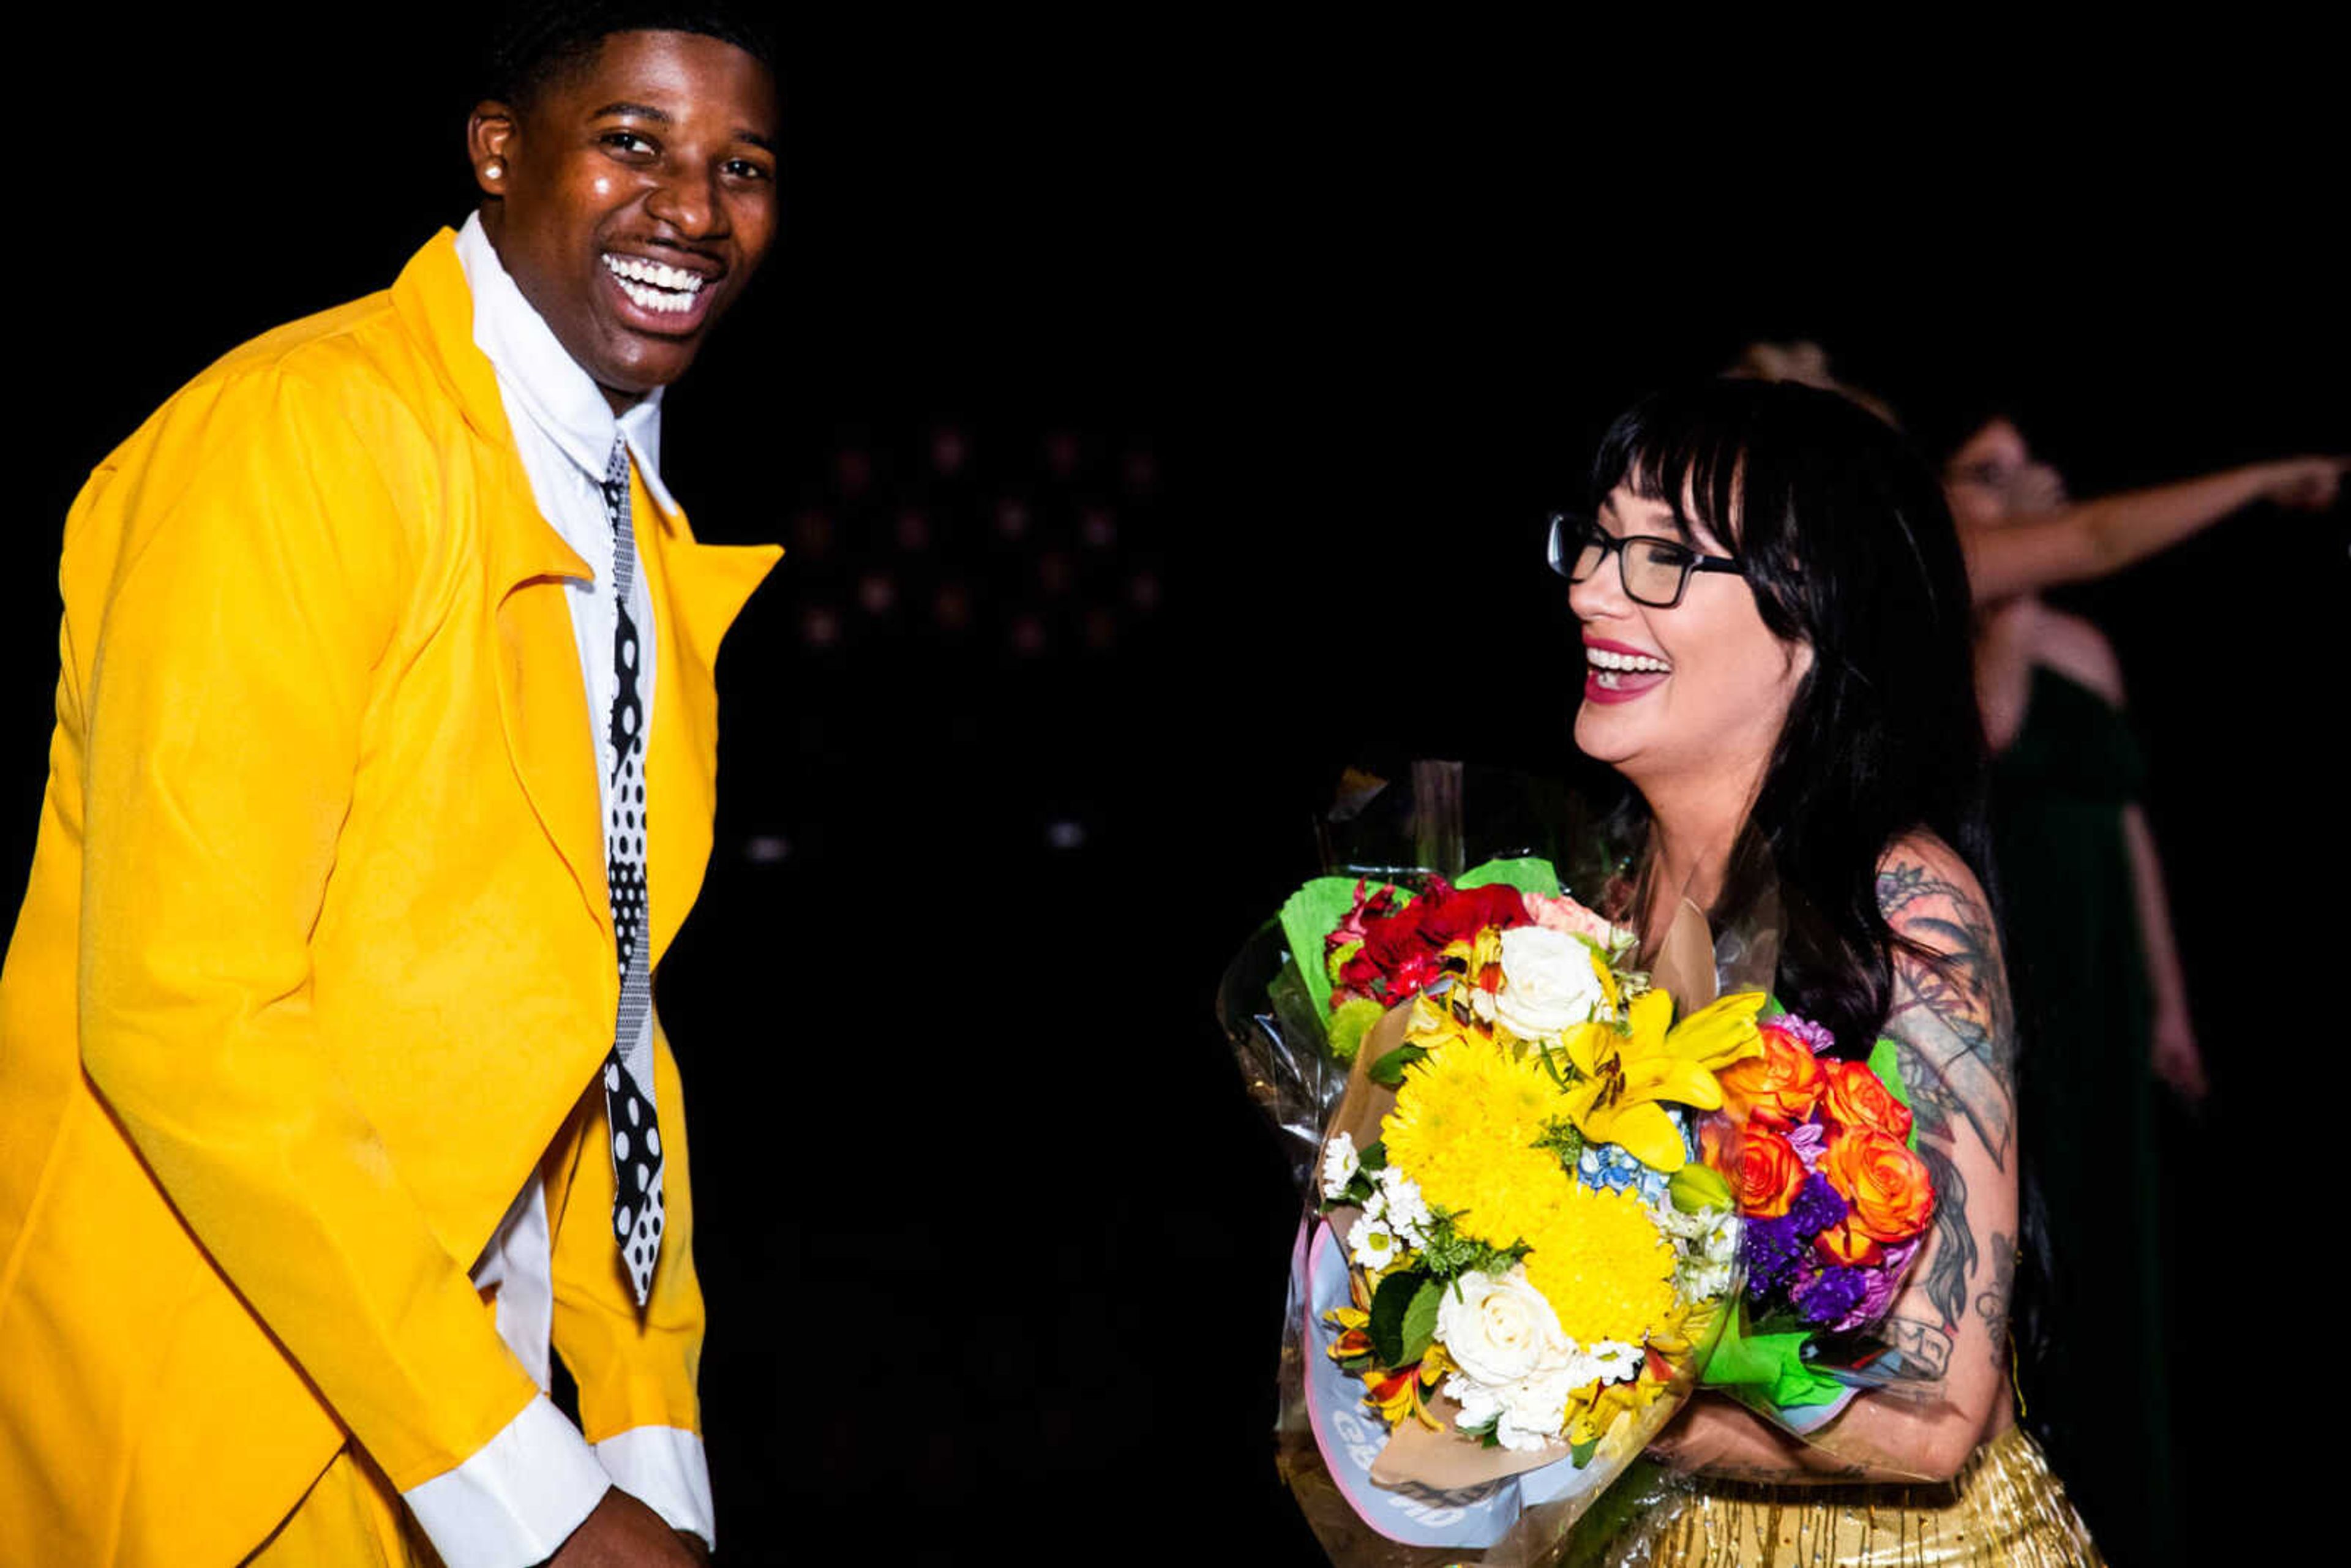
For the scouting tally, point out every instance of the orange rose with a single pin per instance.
(1841, 1243)
(1886, 1184)
(1857, 1098)
(1777, 1087)
(1766, 1174)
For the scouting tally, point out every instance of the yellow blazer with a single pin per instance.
(316, 962)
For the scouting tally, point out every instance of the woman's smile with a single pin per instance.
(1617, 671)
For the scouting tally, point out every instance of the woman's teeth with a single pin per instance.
(1609, 668)
(653, 286)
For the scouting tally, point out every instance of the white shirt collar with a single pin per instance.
(557, 395)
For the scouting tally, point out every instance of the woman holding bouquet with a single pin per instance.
(1775, 629)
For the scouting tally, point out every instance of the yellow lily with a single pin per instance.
(1627, 1076)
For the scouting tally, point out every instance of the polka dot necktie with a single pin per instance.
(629, 1071)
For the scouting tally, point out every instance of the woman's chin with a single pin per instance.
(1600, 737)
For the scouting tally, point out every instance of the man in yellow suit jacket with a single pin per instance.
(309, 1017)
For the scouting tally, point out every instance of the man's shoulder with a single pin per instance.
(350, 404)
(359, 360)
(366, 367)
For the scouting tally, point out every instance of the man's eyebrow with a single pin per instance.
(642, 111)
(764, 144)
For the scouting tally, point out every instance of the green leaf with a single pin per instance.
(1389, 1069)
(1389, 1303)
(1308, 915)
(1355, 1363)
(1561, 1137)
(1580, 1454)
(1448, 1254)
(1420, 1320)
(1373, 1157)
(1530, 873)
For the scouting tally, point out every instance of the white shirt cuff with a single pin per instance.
(664, 1469)
(518, 1498)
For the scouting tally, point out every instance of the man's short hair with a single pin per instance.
(535, 45)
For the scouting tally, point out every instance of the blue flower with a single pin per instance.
(1611, 1167)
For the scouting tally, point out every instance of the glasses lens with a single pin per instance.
(1653, 569)
(1575, 547)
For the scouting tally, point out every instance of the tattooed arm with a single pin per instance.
(1953, 1029)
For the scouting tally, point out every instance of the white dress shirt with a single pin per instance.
(514, 1502)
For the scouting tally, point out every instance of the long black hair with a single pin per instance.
(1850, 548)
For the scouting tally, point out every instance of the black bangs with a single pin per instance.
(1669, 450)
(1731, 455)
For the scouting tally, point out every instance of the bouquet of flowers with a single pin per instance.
(1821, 1160)
(1520, 1260)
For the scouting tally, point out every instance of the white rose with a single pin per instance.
(1500, 1329)
(1548, 983)
(1340, 1163)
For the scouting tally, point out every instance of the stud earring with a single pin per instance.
(494, 169)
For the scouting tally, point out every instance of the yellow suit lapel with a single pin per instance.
(696, 590)
(541, 702)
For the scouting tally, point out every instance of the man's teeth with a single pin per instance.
(653, 286)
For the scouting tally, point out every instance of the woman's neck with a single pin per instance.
(1691, 836)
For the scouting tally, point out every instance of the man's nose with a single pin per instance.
(687, 201)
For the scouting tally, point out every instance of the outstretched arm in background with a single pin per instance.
(2087, 539)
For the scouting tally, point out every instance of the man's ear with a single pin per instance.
(488, 134)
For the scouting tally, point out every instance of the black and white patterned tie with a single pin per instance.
(628, 1072)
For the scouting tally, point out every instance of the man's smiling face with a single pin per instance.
(636, 195)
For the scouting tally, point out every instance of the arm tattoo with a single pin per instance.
(1922, 1344)
(1953, 1013)
(1950, 1260)
(1993, 1304)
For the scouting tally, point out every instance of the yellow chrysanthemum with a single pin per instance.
(1603, 1264)
(1464, 1127)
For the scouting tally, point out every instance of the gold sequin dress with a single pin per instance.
(2003, 1509)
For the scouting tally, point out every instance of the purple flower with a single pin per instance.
(1772, 1248)
(1831, 1295)
(1810, 1140)
(1816, 1038)
(1878, 1284)
(1817, 1206)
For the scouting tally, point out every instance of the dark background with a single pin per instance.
(1267, 349)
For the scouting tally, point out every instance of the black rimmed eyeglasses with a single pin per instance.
(1655, 571)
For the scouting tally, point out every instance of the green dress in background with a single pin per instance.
(2086, 1094)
